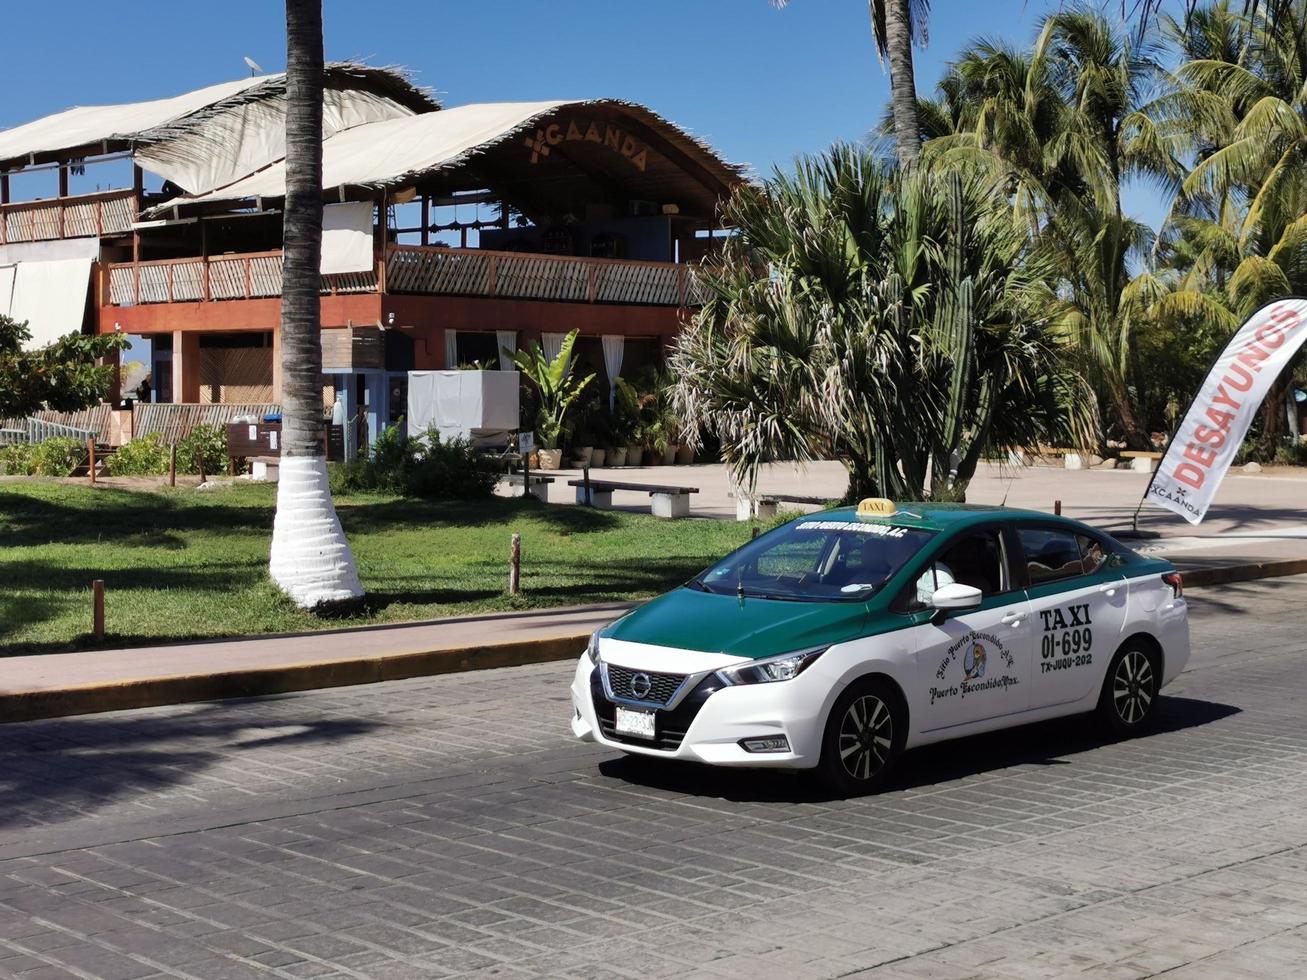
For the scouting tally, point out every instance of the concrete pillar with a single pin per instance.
(276, 365)
(185, 366)
(375, 393)
(349, 408)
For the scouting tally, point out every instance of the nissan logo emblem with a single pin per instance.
(641, 685)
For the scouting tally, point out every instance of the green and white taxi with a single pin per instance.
(840, 639)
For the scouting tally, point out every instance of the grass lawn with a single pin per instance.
(180, 564)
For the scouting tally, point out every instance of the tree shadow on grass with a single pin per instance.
(67, 768)
(1041, 744)
(546, 581)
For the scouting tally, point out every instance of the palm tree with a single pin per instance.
(889, 319)
(1241, 216)
(897, 24)
(311, 560)
(1063, 128)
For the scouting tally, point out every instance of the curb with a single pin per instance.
(1224, 574)
(181, 689)
(255, 682)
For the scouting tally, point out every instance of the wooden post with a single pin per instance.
(90, 459)
(1057, 508)
(4, 188)
(199, 465)
(755, 532)
(97, 610)
(515, 566)
(172, 465)
(426, 220)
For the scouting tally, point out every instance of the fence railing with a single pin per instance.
(174, 422)
(412, 269)
(93, 422)
(84, 216)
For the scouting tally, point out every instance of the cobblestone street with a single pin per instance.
(451, 827)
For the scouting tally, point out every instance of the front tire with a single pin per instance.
(1129, 690)
(865, 733)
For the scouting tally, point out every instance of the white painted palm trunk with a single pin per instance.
(311, 560)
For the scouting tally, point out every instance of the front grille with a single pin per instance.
(661, 686)
(670, 726)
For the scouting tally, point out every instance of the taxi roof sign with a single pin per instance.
(876, 507)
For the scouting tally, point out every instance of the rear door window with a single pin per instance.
(1051, 554)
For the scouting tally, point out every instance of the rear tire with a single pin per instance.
(1129, 694)
(865, 733)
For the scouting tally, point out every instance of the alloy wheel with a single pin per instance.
(866, 737)
(1132, 687)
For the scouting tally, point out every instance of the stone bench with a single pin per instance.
(764, 505)
(663, 501)
(539, 487)
(1142, 462)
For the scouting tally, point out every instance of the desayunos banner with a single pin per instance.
(1214, 427)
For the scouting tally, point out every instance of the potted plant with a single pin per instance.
(556, 391)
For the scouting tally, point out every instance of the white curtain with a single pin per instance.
(451, 349)
(552, 344)
(346, 238)
(7, 275)
(51, 297)
(507, 341)
(614, 347)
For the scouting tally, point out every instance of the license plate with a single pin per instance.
(637, 723)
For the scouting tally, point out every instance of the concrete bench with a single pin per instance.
(663, 501)
(265, 468)
(1142, 462)
(764, 505)
(539, 487)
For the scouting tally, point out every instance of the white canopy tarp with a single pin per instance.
(246, 137)
(347, 238)
(50, 296)
(88, 125)
(382, 152)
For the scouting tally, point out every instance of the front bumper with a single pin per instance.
(708, 724)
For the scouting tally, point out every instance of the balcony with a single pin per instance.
(412, 270)
(84, 216)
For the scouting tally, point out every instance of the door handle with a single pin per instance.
(1012, 617)
(1109, 588)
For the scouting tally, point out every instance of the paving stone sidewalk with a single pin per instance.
(448, 827)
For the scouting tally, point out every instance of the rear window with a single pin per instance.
(1053, 554)
(816, 560)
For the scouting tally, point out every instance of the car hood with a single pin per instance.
(687, 619)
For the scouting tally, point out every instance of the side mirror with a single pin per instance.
(955, 595)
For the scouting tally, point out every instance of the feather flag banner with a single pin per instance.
(1205, 443)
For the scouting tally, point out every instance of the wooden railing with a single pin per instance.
(412, 269)
(85, 216)
(526, 275)
(252, 275)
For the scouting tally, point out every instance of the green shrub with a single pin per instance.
(16, 459)
(207, 443)
(425, 467)
(144, 456)
(1291, 454)
(58, 456)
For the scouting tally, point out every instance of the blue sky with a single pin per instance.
(761, 84)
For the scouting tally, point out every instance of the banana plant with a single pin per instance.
(555, 385)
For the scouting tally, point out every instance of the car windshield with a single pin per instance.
(816, 561)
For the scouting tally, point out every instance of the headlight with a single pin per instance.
(592, 648)
(783, 668)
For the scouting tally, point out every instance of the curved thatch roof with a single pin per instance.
(564, 150)
(95, 130)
